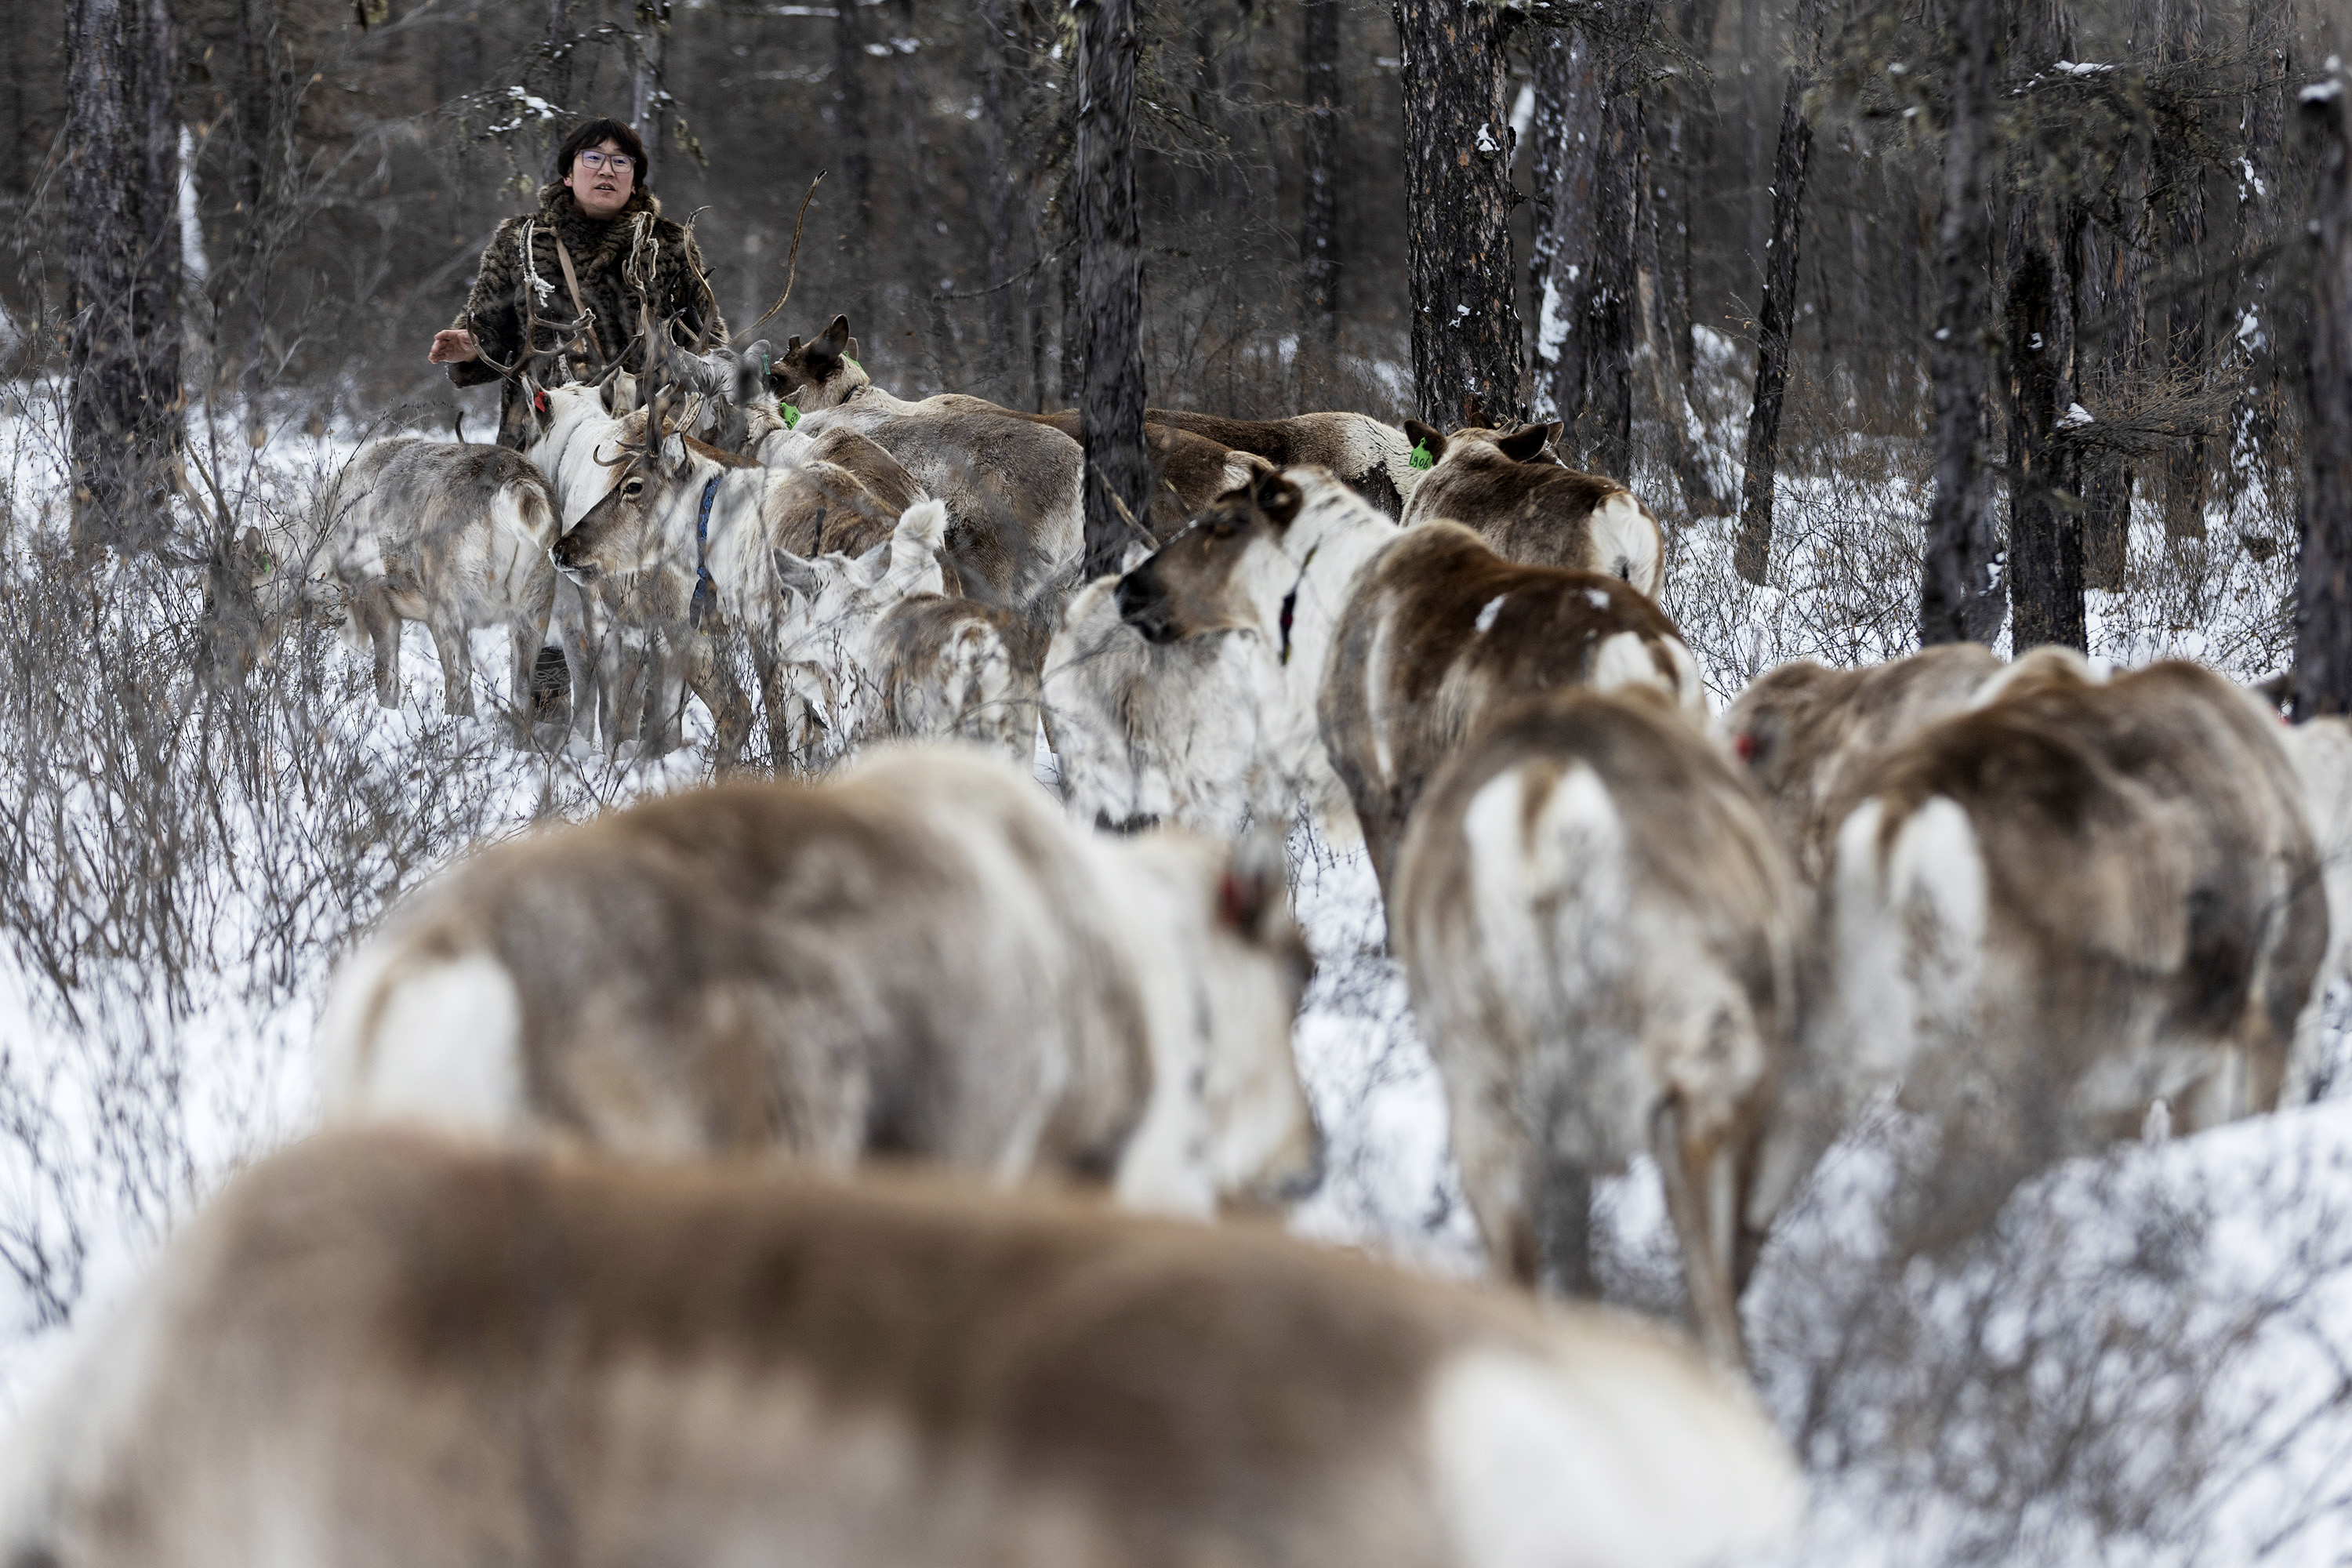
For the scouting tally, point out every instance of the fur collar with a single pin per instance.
(596, 244)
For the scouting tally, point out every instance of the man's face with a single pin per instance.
(602, 179)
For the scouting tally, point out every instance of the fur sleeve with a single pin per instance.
(489, 312)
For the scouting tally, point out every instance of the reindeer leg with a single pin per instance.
(1561, 1225)
(711, 675)
(776, 698)
(383, 629)
(1703, 1202)
(457, 668)
(665, 698)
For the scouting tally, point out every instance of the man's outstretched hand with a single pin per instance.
(453, 346)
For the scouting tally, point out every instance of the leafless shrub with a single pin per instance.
(181, 857)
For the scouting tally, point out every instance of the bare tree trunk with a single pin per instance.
(560, 41)
(1653, 287)
(2270, 38)
(263, 154)
(1605, 435)
(649, 100)
(2323, 651)
(1663, 258)
(850, 126)
(2045, 519)
(1111, 285)
(1457, 157)
(122, 260)
(1567, 132)
(1956, 569)
(1320, 230)
(2111, 355)
(2183, 40)
(1775, 313)
(1000, 123)
(1688, 144)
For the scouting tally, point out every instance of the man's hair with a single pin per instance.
(593, 133)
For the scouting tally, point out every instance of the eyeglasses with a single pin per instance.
(619, 162)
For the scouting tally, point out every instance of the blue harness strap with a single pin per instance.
(704, 610)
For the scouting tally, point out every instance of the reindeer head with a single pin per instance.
(819, 373)
(1474, 443)
(1216, 575)
(823, 640)
(631, 530)
(1250, 1138)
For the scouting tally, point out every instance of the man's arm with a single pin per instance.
(486, 325)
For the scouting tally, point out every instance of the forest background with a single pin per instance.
(345, 162)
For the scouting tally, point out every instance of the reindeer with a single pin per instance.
(1150, 731)
(1011, 485)
(453, 535)
(2077, 899)
(1805, 731)
(640, 554)
(949, 666)
(688, 522)
(874, 647)
(615, 670)
(384, 1346)
(1189, 470)
(1602, 939)
(1393, 644)
(1528, 508)
(920, 957)
(1374, 460)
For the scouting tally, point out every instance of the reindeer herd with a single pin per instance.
(544, 1290)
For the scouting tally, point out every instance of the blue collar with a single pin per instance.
(704, 609)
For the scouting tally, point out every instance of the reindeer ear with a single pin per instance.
(801, 576)
(1555, 430)
(1428, 441)
(1524, 444)
(832, 345)
(1276, 498)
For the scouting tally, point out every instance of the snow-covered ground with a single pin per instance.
(2149, 1361)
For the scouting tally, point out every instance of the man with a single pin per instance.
(598, 243)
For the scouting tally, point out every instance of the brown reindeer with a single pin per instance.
(386, 1348)
(1506, 488)
(2079, 898)
(1805, 731)
(1391, 645)
(1601, 938)
(921, 956)
(450, 534)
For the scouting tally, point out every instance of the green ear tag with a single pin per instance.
(853, 364)
(792, 414)
(1420, 457)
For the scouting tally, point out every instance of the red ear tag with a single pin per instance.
(1237, 901)
(538, 400)
(1744, 744)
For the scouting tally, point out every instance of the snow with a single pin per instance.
(2149, 1361)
